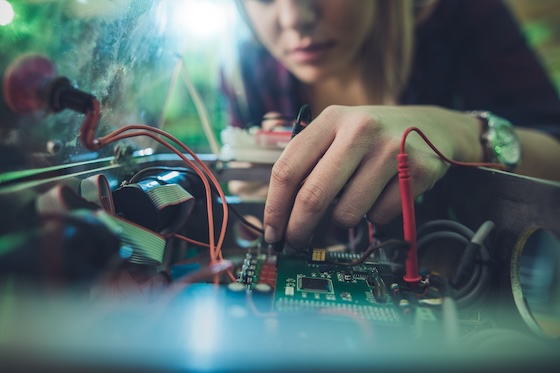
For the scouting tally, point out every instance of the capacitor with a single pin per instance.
(236, 287)
(262, 288)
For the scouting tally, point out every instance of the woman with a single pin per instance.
(371, 69)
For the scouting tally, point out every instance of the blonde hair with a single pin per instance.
(390, 48)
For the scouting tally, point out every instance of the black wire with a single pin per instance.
(245, 221)
(212, 187)
(480, 278)
(440, 283)
(439, 225)
(369, 251)
(160, 168)
(305, 109)
(425, 240)
(297, 127)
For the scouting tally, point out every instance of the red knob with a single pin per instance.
(25, 81)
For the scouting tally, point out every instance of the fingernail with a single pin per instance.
(270, 234)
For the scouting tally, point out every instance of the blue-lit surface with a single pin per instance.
(202, 329)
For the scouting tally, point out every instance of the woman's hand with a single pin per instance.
(355, 148)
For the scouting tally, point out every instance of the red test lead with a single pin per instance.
(407, 197)
(409, 221)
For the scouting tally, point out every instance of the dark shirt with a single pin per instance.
(469, 55)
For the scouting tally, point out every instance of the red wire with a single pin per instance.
(195, 242)
(371, 233)
(112, 138)
(440, 154)
(189, 240)
(89, 126)
(160, 132)
(195, 157)
(409, 222)
(407, 197)
(87, 137)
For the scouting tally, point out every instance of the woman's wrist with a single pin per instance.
(473, 150)
(463, 131)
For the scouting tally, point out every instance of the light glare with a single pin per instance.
(203, 326)
(201, 18)
(6, 13)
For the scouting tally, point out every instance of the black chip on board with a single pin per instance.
(314, 284)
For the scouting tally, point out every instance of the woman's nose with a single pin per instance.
(297, 14)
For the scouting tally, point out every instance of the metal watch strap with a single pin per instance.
(499, 140)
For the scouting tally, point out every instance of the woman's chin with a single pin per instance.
(310, 75)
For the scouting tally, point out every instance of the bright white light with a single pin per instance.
(203, 328)
(169, 176)
(201, 18)
(144, 152)
(6, 13)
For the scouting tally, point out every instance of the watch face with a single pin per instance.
(506, 144)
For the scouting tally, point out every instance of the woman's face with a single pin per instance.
(314, 39)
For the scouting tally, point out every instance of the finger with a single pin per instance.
(388, 204)
(321, 187)
(288, 173)
(365, 187)
(423, 174)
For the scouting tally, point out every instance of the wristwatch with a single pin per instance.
(499, 139)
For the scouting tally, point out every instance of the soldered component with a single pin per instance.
(379, 290)
(319, 255)
(257, 269)
(308, 285)
(359, 275)
(314, 284)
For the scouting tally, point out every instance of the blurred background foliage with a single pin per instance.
(135, 55)
(540, 20)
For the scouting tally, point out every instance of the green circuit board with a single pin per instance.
(308, 285)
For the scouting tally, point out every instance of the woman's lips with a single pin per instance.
(311, 53)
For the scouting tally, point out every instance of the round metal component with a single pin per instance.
(24, 81)
(534, 271)
(54, 146)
